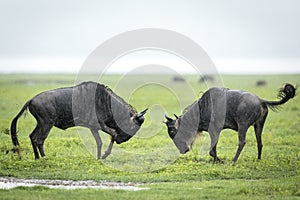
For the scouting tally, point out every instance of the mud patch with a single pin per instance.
(9, 183)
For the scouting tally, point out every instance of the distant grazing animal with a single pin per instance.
(88, 104)
(221, 108)
(178, 79)
(205, 78)
(261, 83)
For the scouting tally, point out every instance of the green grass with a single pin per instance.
(150, 157)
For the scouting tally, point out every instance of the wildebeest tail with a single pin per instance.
(13, 126)
(286, 93)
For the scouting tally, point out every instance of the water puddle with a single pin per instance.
(9, 183)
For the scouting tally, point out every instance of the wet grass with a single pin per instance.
(150, 156)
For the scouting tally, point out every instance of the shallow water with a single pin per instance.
(9, 183)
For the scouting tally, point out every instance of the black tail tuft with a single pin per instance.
(286, 93)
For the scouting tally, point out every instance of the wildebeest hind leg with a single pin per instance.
(258, 131)
(258, 127)
(242, 130)
(42, 137)
(33, 138)
(38, 136)
(98, 142)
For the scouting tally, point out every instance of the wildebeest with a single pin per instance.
(261, 83)
(89, 104)
(205, 78)
(221, 108)
(178, 79)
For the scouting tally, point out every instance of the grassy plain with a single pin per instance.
(150, 156)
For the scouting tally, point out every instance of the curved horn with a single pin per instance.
(176, 116)
(168, 118)
(140, 114)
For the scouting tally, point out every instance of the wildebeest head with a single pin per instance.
(173, 127)
(127, 127)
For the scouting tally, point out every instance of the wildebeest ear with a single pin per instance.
(168, 118)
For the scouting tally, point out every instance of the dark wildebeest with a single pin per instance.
(206, 78)
(261, 83)
(221, 108)
(178, 79)
(88, 104)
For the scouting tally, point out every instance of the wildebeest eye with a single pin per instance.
(172, 132)
(139, 121)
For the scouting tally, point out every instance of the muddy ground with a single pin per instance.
(8, 183)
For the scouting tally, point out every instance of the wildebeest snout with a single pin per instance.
(184, 151)
(123, 137)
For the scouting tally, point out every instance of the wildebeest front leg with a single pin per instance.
(98, 142)
(109, 130)
(108, 151)
(214, 137)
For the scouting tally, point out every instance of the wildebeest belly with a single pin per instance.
(64, 117)
(64, 123)
(61, 100)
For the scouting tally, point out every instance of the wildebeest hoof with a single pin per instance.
(219, 161)
(45, 158)
(104, 156)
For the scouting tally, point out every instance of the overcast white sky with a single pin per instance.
(240, 36)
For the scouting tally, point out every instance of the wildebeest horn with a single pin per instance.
(140, 114)
(168, 118)
(176, 116)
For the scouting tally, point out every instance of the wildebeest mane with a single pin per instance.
(121, 100)
(115, 111)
